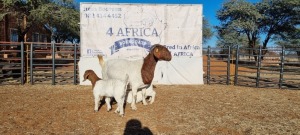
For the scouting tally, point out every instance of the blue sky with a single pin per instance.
(210, 7)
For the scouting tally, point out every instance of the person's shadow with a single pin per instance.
(134, 127)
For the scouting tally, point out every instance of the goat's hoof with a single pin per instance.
(145, 103)
(117, 111)
(133, 108)
(95, 111)
(121, 115)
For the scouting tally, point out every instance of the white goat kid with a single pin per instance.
(109, 88)
(141, 72)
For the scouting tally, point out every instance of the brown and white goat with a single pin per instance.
(141, 72)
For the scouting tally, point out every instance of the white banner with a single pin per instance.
(129, 31)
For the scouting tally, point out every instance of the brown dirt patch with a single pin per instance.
(219, 67)
(178, 109)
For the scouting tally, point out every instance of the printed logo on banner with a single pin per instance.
(130, 42)
(92, 52)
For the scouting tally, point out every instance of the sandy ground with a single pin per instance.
(178, 109)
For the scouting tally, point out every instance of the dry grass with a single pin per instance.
(180, 109)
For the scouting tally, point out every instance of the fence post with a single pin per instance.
(53, 63)
(75, 64)
(258, 68)
(208, 65)
(22, 63)
(281, 67)
(228, 65)
(236, 65)
(31, 64)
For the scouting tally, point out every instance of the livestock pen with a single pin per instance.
(51, 63)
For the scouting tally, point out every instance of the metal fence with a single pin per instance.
(276, 67)
(38, 63)
(52, 63)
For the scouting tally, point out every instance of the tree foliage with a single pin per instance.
(279, 17)
(207, 32)
(61, 19)
(290, 40)
(258, 21)
(59, 16)
(238, 18)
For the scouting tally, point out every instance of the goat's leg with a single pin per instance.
(117, 110)
(134, 93)
(149, 90)
(108, 105)
(144, 97)
(120, 108)
(150, 99)
(97, 102)
(153, 97)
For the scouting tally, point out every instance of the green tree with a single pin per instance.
(290, 40)
(238, 19)
(56, 15)
(278, 17)
(61, 18)
(207, 32)
(229, 37)
(261, 21)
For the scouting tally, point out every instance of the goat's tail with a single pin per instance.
(101, 61)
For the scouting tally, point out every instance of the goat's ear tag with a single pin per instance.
(156, 50)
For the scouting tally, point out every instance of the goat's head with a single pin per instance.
(90, 75)
(161, 52)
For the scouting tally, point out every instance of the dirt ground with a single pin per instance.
(178, 109)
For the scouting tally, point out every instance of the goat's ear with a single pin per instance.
(156, 52)
(85, 76)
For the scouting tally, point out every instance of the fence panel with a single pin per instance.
(291, 68)
(274, 67)
(247, 69)
(35, 63)
(11, 63)
(217, 65)
(41, 63)
(270, 67)
(54, 63)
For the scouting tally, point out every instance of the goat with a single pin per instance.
(109, 88)
(141, 72)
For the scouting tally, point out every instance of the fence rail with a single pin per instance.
(52, 63)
